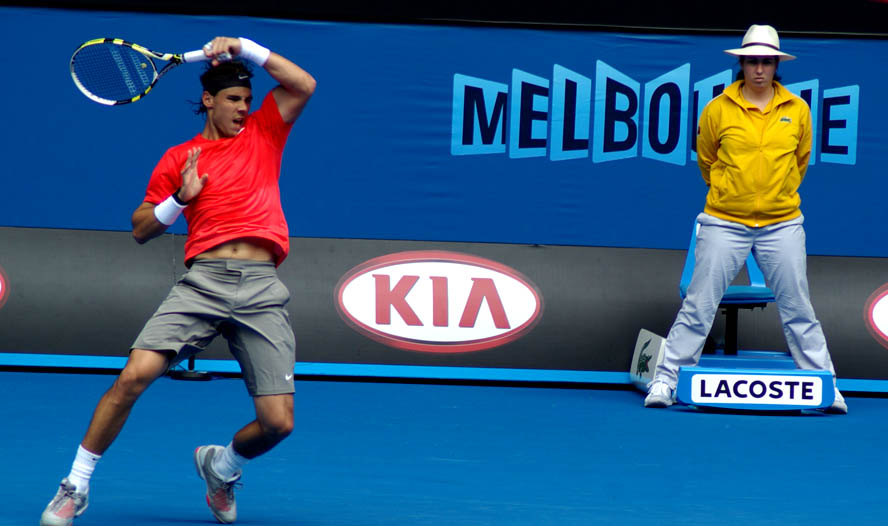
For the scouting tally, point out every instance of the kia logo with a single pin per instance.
(4, 287)
(438, 301)
(876, 315)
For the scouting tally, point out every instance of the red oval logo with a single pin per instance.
(438, 301)
(875, 314)
(4, 287)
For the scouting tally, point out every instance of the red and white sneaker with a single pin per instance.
(220, 493)
(65, 506)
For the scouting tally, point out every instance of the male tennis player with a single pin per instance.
(225, 180)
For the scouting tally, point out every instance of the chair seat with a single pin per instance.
(747, 294)
(741, 294)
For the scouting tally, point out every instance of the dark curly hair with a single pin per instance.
(225, 75)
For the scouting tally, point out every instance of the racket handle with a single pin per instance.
(195, 56)
(199, 56)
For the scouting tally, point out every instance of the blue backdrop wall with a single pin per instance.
(472, 134)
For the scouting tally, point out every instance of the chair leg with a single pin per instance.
(731, 330)
(709, 347)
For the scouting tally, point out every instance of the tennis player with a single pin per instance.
(753, 148)
(225, 181)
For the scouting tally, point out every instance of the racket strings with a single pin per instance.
(113, 72)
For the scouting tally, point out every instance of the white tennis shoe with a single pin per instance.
(838, 407)
(65, 506)
(220, 493)
(659, 394)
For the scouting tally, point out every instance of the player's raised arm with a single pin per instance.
(296, 84)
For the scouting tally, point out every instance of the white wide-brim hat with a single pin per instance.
(760, 41)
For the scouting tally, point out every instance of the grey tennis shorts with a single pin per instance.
(245, 302)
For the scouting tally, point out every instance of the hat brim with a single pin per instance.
(760, 51)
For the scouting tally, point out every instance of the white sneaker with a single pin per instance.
(220, 493)
(838, 407)
(65, 506)
(659, 394)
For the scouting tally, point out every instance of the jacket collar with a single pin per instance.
(781, 94)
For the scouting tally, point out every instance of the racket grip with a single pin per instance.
(195, 56)
(199, 56)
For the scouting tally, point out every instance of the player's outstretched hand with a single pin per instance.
(192, 183)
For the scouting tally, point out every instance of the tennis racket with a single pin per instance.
(112, 71)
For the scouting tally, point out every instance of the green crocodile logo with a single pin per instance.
(644, 359)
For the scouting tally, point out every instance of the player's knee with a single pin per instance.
(132, 382)
(278, 428)
(127, 388)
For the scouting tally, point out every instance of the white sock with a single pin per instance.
(228, 463)
(82, 469)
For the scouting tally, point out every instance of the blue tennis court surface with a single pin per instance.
(392, 454)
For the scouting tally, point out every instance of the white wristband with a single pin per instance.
(253, 51)
(167, 211)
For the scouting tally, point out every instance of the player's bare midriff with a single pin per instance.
(252, 248)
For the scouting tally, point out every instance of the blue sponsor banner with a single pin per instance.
(476, 134)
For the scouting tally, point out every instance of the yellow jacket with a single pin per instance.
(754, 161)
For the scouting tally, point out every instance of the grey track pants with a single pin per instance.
(722, 248)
